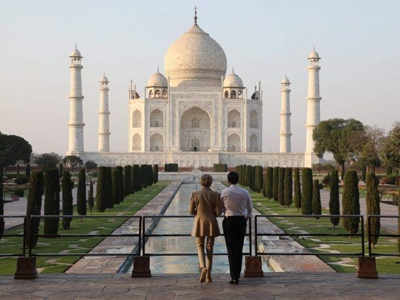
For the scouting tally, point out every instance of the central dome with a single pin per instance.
(195, 55)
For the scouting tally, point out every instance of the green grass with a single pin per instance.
(390, 265)
(131, 204)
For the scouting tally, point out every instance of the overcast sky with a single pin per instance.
(263, 40)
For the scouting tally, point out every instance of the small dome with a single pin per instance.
(285, 80)
(233, 81)
(314, 54)
(157, 80)
(76, 53)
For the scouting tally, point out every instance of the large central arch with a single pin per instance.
(195, 130)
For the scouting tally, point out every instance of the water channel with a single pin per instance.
(184, 264)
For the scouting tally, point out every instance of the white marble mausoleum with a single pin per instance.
(195, 114)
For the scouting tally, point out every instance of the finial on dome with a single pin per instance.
(195, 15)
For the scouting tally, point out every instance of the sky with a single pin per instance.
(263, 40)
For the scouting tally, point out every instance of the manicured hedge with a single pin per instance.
(81, 193)
(288, 187)
(297, 189)
(307, 191)
(334, 203)
(351, 201)
(51, 202)
(67, 199)
(34, 207)
(316, 200)
(268, 183)
(373, 207)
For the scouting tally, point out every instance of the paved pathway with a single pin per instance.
(274, 286)
(390, 225)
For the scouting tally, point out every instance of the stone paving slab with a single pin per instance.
(111, 264)
(277, 286)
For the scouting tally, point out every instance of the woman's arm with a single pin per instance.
(192, 206)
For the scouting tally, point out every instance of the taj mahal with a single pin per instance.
(195, 114)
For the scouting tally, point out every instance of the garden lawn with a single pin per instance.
(131, 204)
(316, 244)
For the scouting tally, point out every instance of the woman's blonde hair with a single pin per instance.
(206, 180)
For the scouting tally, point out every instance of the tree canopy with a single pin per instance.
(342, 138)
(72, 161)
(47, 160)
(12, 149)
(390, 151)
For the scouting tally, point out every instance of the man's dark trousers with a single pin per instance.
(234, 232)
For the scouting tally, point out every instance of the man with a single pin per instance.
(237, 208)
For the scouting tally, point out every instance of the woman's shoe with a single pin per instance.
(203, 274)
(208, 277)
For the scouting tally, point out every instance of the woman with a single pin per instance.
(205, 205)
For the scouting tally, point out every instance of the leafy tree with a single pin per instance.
(373, 207)
(371, 146)
(307, 191)
(268, 183)
(351, 202)
(342, 138)
(281, 186)
(316, 200)
(297, 189)
(67, 199)
(390, 152)
(47, 161)
(12, 149)
(275, 183)
(288, 185)
(72, 162)
(81, 193)
(51, 205)
(90, 165)
(90, 196)
(34, 207)
(334, 203)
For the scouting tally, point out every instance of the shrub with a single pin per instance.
(334, 203)
(171, 168)
(268, 183)
(34, 207)
(108, 188)
(51, 205)
(275, 183)
(81, 193)
(67, 199)
(288, 187)
(281, 186)
(373, 207)
(316, 200)
(114, 186)
(90, 165)
(258, 180)
(128, 180)
(21, 179)
(90, 196)
(220, 167)
(137, 178)
(121, 184)
(155, 173)
(306, 196)
(297, 189)
(100, 190)
(351, 201)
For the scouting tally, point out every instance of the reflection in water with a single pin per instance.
(182, 264)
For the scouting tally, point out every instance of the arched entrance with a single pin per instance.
(195, 130)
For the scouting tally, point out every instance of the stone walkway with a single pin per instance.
(274, 286)
(390, 225)
(111, 264)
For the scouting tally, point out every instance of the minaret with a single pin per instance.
(285, 134)
(75, 123)
(104, 117)
(313, 100)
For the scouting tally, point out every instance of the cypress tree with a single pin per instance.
(67, 199)
(155, 173)
(61, 169)
(51, 205)
(100, 190)
(275, 183)
(248, 176)
(128, 180)
(91, 197)
(268, 183)
(34, 207)
(132, 180)
(121, 184)
(351, 201)
(281, 186)
(334, 203)
(398, 220)
(108, 188)
(373, 207)
(2, 224)
(307, 191)
(288, 184)
(297, 189)
(115, 187)
(258, 182)
(316, 200)
(81, 193)
(137, 178)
